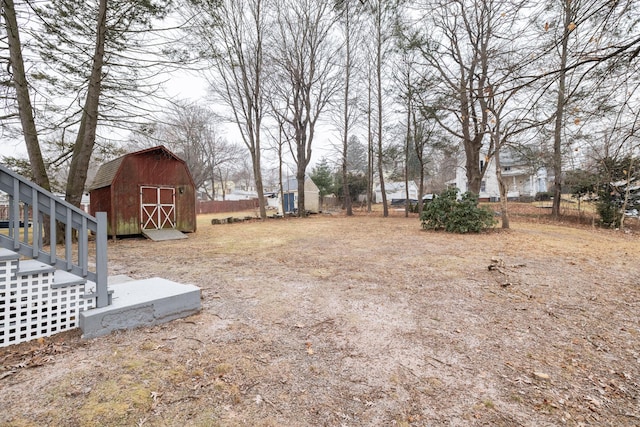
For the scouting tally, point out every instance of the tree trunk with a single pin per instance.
(380, 115)
(345, 176)
(474, 173)
(19, 77)
(25, 109)
(560, 104)
(504, 214)
(300, 172)
(407, 203)
(86, 138)
(370, 150)
(281, 187)
(418, 144)
(257, 174)
(627, 192)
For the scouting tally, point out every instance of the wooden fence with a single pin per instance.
(218, 206)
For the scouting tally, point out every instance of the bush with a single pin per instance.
(542, 196)
(608, 209)
(454, 215)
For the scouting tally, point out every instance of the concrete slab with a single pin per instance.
(118, 278)
(138, 303)
(164, 234)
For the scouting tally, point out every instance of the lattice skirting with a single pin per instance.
(32, 306)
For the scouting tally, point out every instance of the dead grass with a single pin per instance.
(364, 321)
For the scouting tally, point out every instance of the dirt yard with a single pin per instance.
(362, 321)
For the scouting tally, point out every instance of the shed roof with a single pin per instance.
(291, 185)
(108, 171)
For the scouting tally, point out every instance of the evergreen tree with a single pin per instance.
(322, 177)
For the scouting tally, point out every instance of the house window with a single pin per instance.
(483, 186)
(507, 168)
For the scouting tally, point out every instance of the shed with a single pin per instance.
(290, 193)
(150, 189)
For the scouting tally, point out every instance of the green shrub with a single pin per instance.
(608, 209)
(447, 212)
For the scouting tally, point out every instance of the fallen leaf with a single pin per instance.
(593, 400)
(541, 376)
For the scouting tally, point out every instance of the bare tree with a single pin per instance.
(408, 82)
(405, 81)
(348, 11)
(233, 32)
(193, 133)
(370, 141)
(460, 51)
(381, 12)
(305, 76)
(241, 172)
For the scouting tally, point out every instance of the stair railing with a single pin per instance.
(46, 210)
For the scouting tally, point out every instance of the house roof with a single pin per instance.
(511, 157)
(108, 171)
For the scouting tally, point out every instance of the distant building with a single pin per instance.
(290, 194)
(396, 191)
(523, 181)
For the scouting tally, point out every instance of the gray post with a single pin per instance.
(101, 260)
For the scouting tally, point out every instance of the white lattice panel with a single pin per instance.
(8, 268)
(31, 306)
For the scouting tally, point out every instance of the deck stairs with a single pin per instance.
(37, 300)
(45, 290)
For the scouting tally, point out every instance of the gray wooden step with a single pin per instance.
(63, 278)
(60, 278)
(31, 267)
(8, 255)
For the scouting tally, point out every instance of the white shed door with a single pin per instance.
(157, 207)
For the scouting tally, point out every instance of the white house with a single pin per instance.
(396, 191)
(523, 180)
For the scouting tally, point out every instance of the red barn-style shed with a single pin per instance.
(150, 189)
